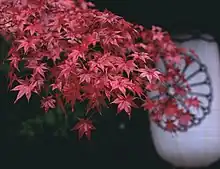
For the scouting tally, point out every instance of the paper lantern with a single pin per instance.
(200, 145)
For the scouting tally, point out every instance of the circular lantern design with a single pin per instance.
(199, 145)
(200, 91)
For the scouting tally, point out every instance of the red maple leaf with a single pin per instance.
(121, 84)
(149, 104)
(66, 69)
(171, 110)
(127, 66)
(180, 91)
(150, 74)
(91, 39)
(75, 54)
(57, 22)
(137, 90)
(15, 59)
(185, 118)
(188, 60)
(157, 33)
(55, 53)
(71, 93)
(28, 43)
(192, 102)
(67, 3)
(12, 78)
(34, 28)
(125, 103)
(47, 103)
(25, 88)
(84, 126)
(142, 56)
(85, 75)
(38, 68)
(151, 86)
(170, 126)
(174, 59)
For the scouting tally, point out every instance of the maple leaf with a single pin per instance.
(84, 126)
(12, 77)
(188, 60)
(57, 23)
(28, 43)
(47, 103)
(107, 17)
(149, 73)
(71, 92)
(95, 96)
(192, 102)
(74, 55)
(174, 59)
(34, 28)
(102, 62)
(180, 91)
(86, 76)
(121, 84)
(91, 39)
(38, 81)
(142, 56)
(66, 69)
(157, 34)
(85, 5)
(151, 86)
(57, 85)
(38, 69)
(127, 66)
(14, 60)
(55, 54)
(148, 104)
(170, 126)
(125, 103)
(171, 110)
(67, 3)
(185, 118)
(25, 88)
(137, 89)
(96, 102)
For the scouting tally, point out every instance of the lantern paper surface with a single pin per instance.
(200, 145)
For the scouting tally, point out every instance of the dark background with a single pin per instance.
(110, 147)
(172, 15)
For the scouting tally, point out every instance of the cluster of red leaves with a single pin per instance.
(73, 53)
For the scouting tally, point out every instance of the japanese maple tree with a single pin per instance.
(72, 53)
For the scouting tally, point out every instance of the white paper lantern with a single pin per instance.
(200, 145)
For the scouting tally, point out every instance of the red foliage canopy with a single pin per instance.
(75, 53)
